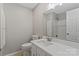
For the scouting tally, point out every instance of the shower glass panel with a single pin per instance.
(56, 25)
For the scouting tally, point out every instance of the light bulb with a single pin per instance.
(60, 4)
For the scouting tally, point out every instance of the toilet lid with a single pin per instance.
(26, 44)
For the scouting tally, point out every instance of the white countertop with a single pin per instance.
(57, 49)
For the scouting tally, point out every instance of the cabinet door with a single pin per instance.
(40, 52)
(36, 51)
(33, 50)
(47, 54)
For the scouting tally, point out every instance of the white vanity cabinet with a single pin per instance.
(33, 50)
(36, 51)
(43, 48)
(41, 52)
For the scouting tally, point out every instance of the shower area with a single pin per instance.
(56, 25)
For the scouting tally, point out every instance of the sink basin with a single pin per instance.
(45, 43)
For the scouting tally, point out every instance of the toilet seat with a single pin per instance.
(26, 46)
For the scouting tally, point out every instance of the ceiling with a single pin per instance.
(58, 9)
(65, 7)
(29, 5)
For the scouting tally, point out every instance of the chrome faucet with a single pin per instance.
(49, 38)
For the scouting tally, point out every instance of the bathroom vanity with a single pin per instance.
(39, 50)
(43, 47)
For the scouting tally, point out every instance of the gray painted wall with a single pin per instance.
(0, 25)
(39, 21)
(0, 28)
(18, 27)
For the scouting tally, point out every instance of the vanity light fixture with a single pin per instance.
(53, 5)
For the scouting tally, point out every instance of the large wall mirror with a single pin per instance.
(63, 21)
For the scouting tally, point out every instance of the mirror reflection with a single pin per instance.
(62, 21)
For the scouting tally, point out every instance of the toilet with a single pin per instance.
(26, 47)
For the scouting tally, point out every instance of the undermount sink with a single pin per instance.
(45, 42)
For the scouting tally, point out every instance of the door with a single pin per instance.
(72, 25)
(77, 22)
